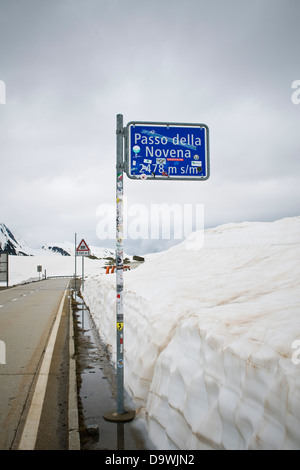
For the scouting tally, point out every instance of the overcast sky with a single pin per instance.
(70, 66)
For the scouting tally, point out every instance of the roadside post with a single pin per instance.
(39, 270)
(120, 415)
(153, 151)
(75, 274)
(82, 250)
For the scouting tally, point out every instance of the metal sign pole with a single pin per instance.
(82, 273)
(75, 261)
(120, 414)
(119, 267)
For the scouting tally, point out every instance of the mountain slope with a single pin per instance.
(14, 245)
(11, 244)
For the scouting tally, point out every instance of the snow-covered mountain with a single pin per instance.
(12, 244)
(56, 248)
(15, 245)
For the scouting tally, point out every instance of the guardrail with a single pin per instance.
(55, 277)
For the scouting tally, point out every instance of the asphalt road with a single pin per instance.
(28, 317)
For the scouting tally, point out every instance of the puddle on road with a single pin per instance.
(97, 384)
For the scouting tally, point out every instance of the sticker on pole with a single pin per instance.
(83, 249)
(167, 151)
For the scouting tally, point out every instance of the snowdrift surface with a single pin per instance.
(209, 338)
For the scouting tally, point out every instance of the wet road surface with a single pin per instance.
(97, 396)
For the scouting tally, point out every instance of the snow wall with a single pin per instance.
(210, 338)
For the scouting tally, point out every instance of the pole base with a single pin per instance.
(115, 417)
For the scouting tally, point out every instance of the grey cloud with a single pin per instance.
(71, 65)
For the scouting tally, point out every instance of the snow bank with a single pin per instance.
(209, 338)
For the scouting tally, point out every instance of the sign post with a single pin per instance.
(39, 270)
(119, 266)
(155, 151)
(75, 287)
(120, 415)
(82, 250)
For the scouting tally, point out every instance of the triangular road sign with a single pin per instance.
(82, 247)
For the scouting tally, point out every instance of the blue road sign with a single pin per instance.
(167, 151)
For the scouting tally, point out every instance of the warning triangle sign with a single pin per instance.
(82, 246)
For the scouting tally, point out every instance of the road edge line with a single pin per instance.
(73, 425)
